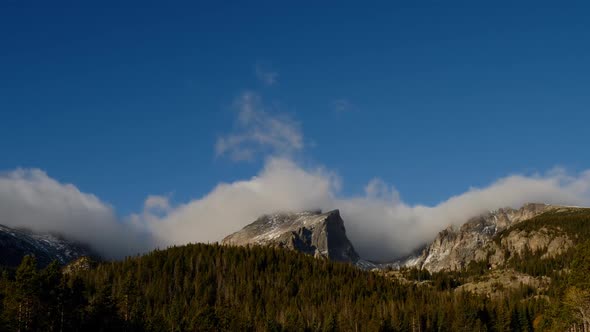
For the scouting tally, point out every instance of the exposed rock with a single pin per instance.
(16, 243)
(399, 276)
(500, 282)
(454, 248)
(314, 233)
(83, 263)
(552, 242)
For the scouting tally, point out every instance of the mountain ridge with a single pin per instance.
(311, 232)
(453, 249)
(456, 246)
(46, 247)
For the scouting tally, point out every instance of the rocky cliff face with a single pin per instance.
(454, 248)
(314, 233)
(489, 237)
(16, 243)
(551, 242)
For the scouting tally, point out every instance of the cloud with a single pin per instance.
(280, 186)
(156, 202)
(380, 225)
(265, 74)
(259, 132)
(31, 199)
(377, 188)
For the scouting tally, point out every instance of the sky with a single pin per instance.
(137, 112)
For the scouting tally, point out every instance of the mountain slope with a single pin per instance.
(493, 237)
(314, 233)
(264, 288)
(16, 243)
(261, 288)
(454, 248)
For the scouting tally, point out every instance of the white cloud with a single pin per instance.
(280, 186)
(379, 224)
(265, 74)
(259, 132)
(157, 203)
(378, 189)
(381, 229)
(30, 199)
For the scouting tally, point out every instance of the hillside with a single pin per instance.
(266, 288)
(455, 247)
(210, 287)
(17, 243)
(545, 257)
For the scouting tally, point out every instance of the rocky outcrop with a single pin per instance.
(499, 283)
(83, 263)
(489, 237)
(314, 233)
(454, 248)
(550, 242)
(16, 243)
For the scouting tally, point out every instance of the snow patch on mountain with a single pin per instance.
(16, 243)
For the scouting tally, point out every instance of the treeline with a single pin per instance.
(215, 288)
(570, 293)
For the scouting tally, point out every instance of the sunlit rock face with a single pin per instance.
(314, 233)
(454, 248)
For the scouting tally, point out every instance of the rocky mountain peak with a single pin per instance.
(311, 232)
(455, 247)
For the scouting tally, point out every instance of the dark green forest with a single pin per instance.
(203, 287)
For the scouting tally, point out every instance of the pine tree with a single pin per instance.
(27, 293)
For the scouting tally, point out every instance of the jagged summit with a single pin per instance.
(323, 235)
(311, 232)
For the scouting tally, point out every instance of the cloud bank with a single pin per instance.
(31, 199)
(379, 224)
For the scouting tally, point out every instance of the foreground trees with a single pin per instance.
(215, 288)
(578, 302)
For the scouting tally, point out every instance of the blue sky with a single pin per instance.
(129, 101)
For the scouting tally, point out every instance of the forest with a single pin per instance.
(209, 287)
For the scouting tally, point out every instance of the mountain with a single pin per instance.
(208, 287)
(455, 248)
(314, 233)
(531, 274)
(323, 235)
(16, 243)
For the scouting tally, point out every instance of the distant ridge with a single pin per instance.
(17, 243)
